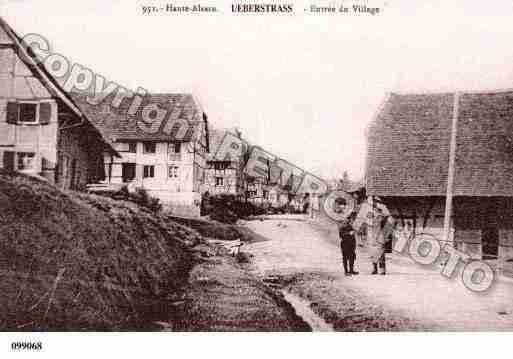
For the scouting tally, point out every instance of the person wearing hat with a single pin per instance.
(379, 225)
(348, 245)
(379, 237)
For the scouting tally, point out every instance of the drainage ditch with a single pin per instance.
(300, 305)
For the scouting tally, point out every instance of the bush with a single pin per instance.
(224, 215)
(228, 208)
(142, 198)
(209, 229)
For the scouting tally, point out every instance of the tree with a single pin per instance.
(344, 183)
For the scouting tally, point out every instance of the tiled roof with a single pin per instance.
(216, 138)
(118, 123)
(408, 145)
(484, 152)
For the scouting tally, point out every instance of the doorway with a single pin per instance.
(490, 242)
(128, 172)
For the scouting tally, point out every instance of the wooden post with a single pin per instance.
(310, 209)
(268, 172)
(450, 174)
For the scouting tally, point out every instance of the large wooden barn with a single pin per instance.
(425, 148)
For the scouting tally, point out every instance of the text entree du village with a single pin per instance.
(273, 8)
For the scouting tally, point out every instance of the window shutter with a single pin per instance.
(12, 113)
(45, 113)
(9, 157)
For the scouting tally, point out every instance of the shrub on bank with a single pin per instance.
(210, 229)
(139, 196)
(142, 198)
(228, 208)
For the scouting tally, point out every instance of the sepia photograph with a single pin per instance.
(259, 167)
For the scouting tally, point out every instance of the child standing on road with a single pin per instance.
(348, 246)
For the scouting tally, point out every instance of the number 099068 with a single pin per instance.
(26, 345)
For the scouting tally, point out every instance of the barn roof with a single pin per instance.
(121, 123)
(408, 145)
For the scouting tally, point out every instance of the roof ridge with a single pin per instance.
(442, 92)
(410, 142)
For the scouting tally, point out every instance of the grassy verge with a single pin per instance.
(223, 296)
(213, 229)
(73, 261)
(345, 309)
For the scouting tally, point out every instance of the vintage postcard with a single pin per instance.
(262, 166)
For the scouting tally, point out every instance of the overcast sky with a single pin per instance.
(302, 86)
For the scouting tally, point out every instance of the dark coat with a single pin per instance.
(347, 238)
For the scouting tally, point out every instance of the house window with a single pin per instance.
(126, 147)
(219, 181)
(27, 113)
(220, 166)
(150, 147)
(149, 171)
(173, 171)
(128, 172)
(266, 194)
(174, 151)
(26, 161)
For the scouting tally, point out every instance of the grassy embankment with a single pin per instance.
(73, 261)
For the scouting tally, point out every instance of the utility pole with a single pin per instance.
(450, 174)
(311, 210)
(268, 171)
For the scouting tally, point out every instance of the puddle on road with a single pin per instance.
(303, 310)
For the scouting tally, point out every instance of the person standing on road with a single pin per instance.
(378, 239)
(306, 203)
(348, 246)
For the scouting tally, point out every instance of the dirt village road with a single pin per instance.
(301, 258)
